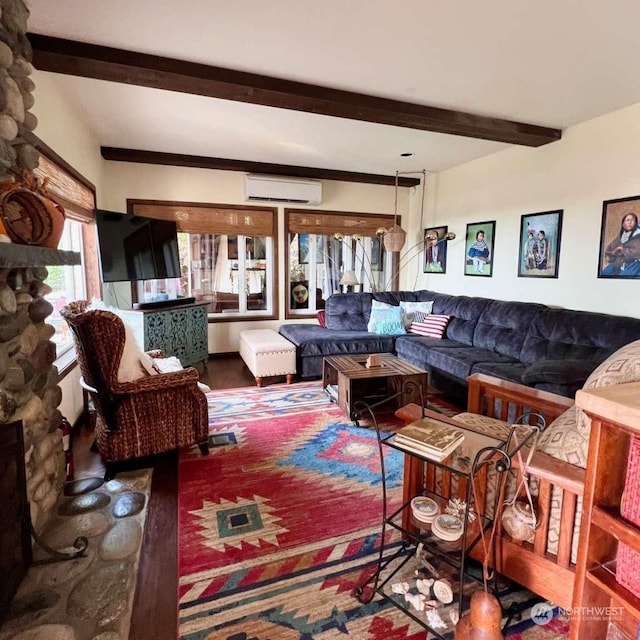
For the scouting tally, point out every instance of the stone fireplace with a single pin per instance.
(29, 389)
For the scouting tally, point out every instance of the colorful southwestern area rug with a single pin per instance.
(282, 521)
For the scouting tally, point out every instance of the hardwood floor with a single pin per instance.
(228, 371)
(155, 612)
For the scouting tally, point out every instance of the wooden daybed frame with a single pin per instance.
(530, 564)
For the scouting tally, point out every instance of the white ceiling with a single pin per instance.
(547, 62)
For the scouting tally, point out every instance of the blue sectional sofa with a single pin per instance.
(547, 348)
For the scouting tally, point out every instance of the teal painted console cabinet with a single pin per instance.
(179, 331)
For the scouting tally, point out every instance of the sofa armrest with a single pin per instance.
(505, 400)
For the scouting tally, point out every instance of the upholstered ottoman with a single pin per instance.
(267, 353)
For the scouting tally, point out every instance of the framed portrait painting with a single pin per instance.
(620, 239)
(539, 253)
(479, 249)
(435, 250)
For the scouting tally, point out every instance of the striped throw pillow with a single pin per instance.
(432, 326)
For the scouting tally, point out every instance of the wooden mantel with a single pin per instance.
(24, 255)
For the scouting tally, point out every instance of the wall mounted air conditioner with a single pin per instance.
(278, 189)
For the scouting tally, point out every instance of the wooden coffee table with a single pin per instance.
(347, 380)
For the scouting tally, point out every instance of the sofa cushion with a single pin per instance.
(506, 370)
(459, 362)
(313, 340)
(503, 326)
(556, 334)
(567, 372)
(348, 311)
(464, 312)
(484, 424)
(414, 348)
(386, 321)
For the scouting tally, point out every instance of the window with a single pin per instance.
(232, 272)
(67, 283)
(331, 253)
(227, 256)
(76, 195)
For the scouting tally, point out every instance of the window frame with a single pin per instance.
(76, 209)
(230, 222)
(328, 222)
(60, 354)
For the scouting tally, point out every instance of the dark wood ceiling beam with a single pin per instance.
(116, 65)
(224, 164)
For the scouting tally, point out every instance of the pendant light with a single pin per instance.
(394, 238)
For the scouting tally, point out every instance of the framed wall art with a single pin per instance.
(539, 253)
(376, 254)
(479, 249)
(303, 248)
(620, 239)
(435, 250)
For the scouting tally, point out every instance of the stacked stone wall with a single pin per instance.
(29, 389)
(16, 90)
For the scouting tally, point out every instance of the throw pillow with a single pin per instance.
(620, 367)
(386, 322)
(415, 311)
(566, 438)
(147, 364)
(376, 304)
(170, 364)
(432, 326)
(134, 363)
(131, 367)
(322, 318)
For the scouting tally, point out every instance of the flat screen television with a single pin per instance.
(136, 248)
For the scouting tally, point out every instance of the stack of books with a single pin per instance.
(429, 438)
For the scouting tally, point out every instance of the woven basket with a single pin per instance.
(628, 569)
(630, 505)
(30, 217)
(394, 238)
(628, 564)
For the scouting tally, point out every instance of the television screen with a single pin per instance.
(136, 248)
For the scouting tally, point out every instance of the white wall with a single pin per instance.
(128, 180)
(594, 161)
(60, 125)
(62, 128)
